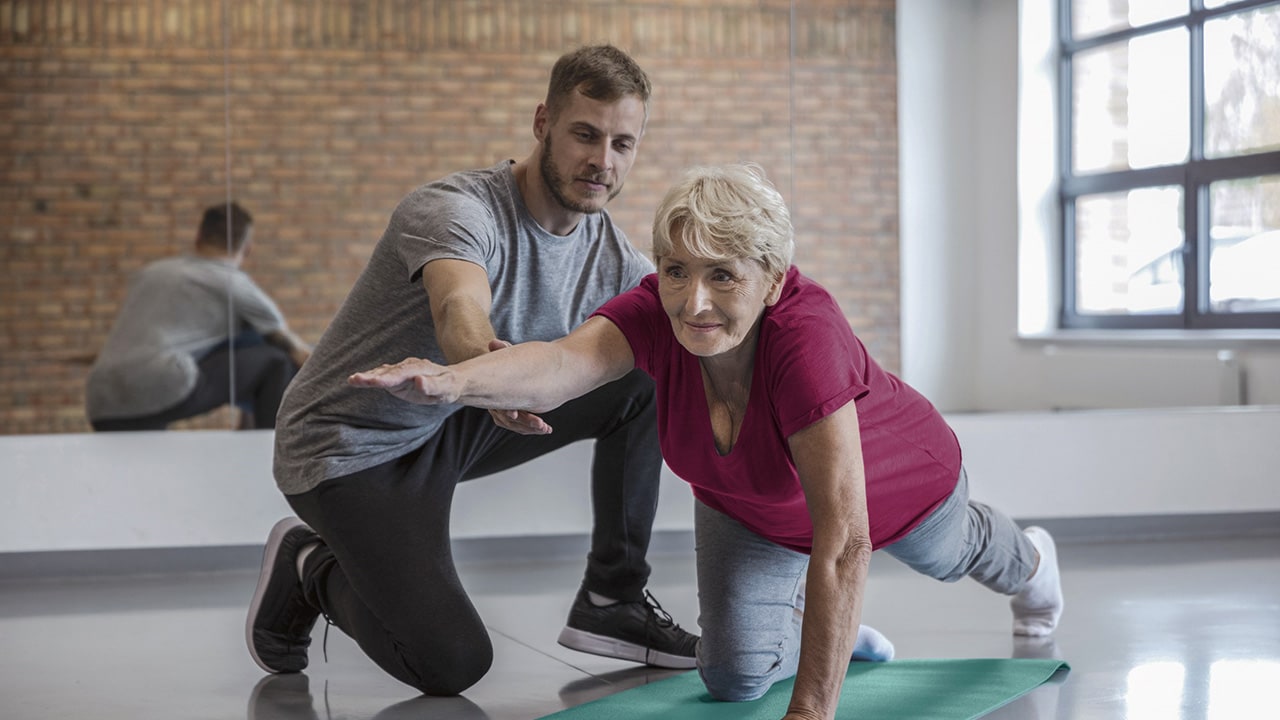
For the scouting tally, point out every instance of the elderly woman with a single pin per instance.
(803, 453)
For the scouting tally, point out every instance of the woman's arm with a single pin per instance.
(535, 376)
(828, 456)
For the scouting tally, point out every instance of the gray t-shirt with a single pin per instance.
(176, 310)
(543, 286)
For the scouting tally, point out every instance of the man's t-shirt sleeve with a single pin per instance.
(434, 227)
(254, 306)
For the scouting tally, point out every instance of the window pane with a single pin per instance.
(1094, 17)
(1242, 82)
(1130, 106)
(1244, 260)
(1128, 252)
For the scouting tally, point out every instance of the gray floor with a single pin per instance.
(1153, 630)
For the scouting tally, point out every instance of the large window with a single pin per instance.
(1170, 157)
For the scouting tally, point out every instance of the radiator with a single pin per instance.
(1078, 379)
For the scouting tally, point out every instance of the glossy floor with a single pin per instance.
(1153, 631)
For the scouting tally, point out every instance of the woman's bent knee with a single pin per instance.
(730, 685)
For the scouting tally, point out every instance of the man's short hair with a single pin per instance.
(600, 72)
(225, 226)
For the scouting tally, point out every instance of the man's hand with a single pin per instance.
(413, 380)
(518, 421)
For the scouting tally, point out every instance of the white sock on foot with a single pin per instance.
(1038, 606)
(600, 600)
(303, 552)
(872, 645)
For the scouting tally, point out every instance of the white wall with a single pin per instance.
(964, 235)
(193, 489)
(938, 267)
(210, 488)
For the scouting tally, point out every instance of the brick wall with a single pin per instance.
(123, 119)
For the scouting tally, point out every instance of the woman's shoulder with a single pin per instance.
(803, 301)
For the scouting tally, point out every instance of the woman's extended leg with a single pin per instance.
(967, 538)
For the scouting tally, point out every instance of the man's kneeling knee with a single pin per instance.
(456, 676)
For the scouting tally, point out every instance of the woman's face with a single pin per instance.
(714, 305)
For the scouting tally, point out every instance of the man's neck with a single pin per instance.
(211, 252)
(551, 215)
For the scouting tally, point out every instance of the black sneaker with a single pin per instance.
(278, 629)
(640, 631)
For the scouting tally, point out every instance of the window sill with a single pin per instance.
(1217, 339)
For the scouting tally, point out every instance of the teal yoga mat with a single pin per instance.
(896, 690)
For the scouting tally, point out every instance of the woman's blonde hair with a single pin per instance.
(726, 212)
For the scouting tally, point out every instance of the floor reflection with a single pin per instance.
(289, 697)
(1154, 691)
(1153, 631)
(584, 690)
(1243, 689)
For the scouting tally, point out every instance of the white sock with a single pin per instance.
(303, 552)
(872, 645)
(600, 600)
(1038, 606)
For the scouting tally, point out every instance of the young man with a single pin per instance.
(515, 252)
(169, 357)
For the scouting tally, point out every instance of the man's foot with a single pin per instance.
(1037, 607)
(640, 631)
(278, 628)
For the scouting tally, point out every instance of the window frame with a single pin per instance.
(1194, 176)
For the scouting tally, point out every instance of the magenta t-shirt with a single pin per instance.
(808, 365)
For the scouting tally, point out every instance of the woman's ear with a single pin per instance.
(775, 292)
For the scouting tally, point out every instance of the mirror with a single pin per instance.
(119, 145)
(130, 118)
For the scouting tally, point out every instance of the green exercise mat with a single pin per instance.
(900, 689)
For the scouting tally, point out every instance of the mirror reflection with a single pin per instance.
(195, 333)
(129, 119)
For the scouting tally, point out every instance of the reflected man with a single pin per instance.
(169, 356)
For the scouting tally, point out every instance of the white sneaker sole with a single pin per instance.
(586, 642)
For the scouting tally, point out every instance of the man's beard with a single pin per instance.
(554, 181)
